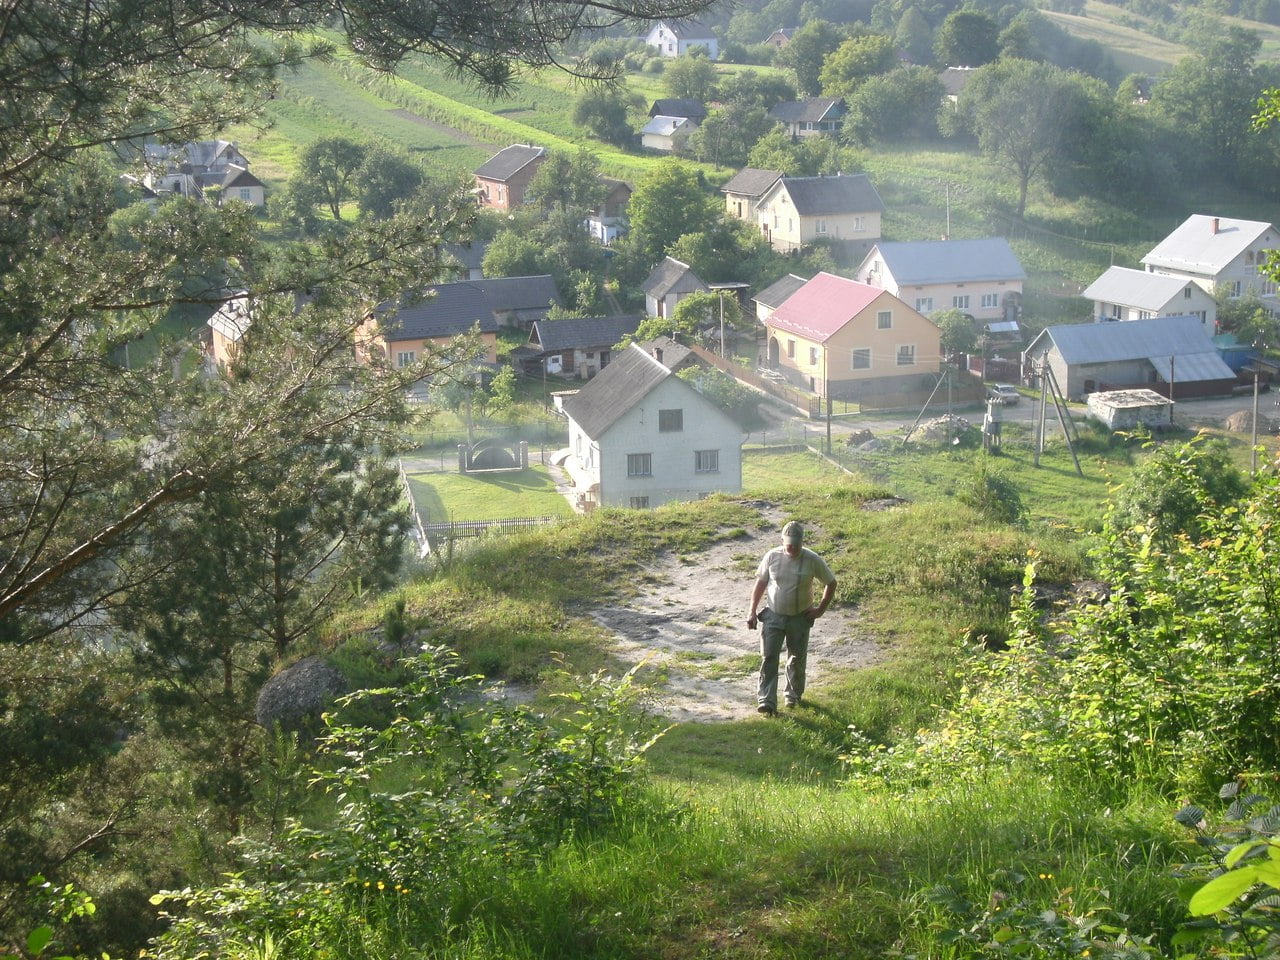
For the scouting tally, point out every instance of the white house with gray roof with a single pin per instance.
(1172, 355)
(814, 117)
(667, 133)
(670, 282)
(1220, 254)
(981, 277)
(639, 436)
(675, 38)
(796, 211)
(745, 188)
(1125, 294)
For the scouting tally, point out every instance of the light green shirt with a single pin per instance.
(789, 580)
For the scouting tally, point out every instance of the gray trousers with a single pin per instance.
(775, 629)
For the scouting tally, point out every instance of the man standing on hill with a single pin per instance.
(787, 573)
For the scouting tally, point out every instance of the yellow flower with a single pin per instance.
(381, 885)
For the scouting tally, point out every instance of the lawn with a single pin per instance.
(442, 497)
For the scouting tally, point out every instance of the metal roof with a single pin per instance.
(949, 261)
(1135, 288)
(1203, 244)
(667, 126)
(1155, 339)
(777, 292)
(679, 107)
(813, 110)
(823, 305)
(666, 275)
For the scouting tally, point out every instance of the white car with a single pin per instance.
(1003, 393)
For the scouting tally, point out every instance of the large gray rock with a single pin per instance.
(298, 693)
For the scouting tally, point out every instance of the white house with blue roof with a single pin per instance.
(1173, 356)
(981, 277)
(1125, 294)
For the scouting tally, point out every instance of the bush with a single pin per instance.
(991, 494)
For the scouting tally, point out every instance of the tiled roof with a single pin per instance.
(816, 196)
(615, 390)
(823, 305)
(676, 107)
(751, 181)
(776, 293)
(454, 308)
(808, 111)
(1203, 244)
(666, 275)
(509, 161)
(950, 261)
(582, 332)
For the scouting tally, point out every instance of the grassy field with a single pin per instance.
(456, 497)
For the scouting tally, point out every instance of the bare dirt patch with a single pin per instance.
(687, 622)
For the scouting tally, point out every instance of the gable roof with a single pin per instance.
(954, 79)
(509, 161)
(808, 111)
(679, 107)
(469, 255)
(240, 177)
(815, 196)
(614, 390)
(573, 332)
(1155, 339)
(823, 305)
(673, 353)
(777, 292)
(751, 181)
(667, 126)
(1136, 288)
(688, 30)
(666, 275)
(234, 317)
(454, 308)
(949, 261)
(1202, 244)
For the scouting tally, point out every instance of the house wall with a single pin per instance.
(666, 306)
(507, 194)
(1193, 300)
(787, 231)
(1078, 380)
(942, 296)
(393, 348)
(666, 43)
(741, 206)
(222, 348)
(673, 454)
(814, 363)
(1245, 270)
(256, 196)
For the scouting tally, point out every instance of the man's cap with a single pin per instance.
(793, 532)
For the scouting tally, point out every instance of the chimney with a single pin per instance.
(1215, 226)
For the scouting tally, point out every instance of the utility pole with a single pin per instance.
(720, 288)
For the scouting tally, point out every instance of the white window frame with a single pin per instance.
(706, 461)
(924, 304)
(405, 358)
(990, 300)
(960, 301)
(639, 464)
(884, 320)
(820, 226)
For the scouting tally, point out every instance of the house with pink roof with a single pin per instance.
(844, 339)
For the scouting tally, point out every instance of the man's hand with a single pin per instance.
(813, 613)
(752, 621)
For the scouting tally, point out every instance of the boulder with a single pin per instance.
(298, 693)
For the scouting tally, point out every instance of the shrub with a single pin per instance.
(992, 494)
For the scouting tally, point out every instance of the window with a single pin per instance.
(924, 304)
(991, 299)
(813, 356)
(639, 464)
(961, 302)
(1116, 311)
(859, 223)
(405, 357)
(639, 503)
(1268, 287)
(670, 421)
(884, 320)
(821, 227)
(1186, 292)
(1234, 289)
(1248, 257)
(907, 355)
(706, 461)
(860, 359)
(245, 195)
(791, 349)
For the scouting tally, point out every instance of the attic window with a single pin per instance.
(670, 421)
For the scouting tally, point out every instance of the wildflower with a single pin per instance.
(381, 885)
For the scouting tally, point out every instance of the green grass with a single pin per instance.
(456, 497)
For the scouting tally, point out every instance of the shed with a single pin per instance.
(1125, 409)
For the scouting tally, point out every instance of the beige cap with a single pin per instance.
(793, 532)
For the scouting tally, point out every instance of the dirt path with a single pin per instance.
(453, 132)
(687, 622)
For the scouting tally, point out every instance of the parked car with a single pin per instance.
(1003, 393)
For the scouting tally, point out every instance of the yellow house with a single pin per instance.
(840, 338)
(796, 211)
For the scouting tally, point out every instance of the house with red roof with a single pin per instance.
(840, 338)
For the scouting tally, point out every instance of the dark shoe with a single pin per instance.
(792, 704)
(767, 710)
